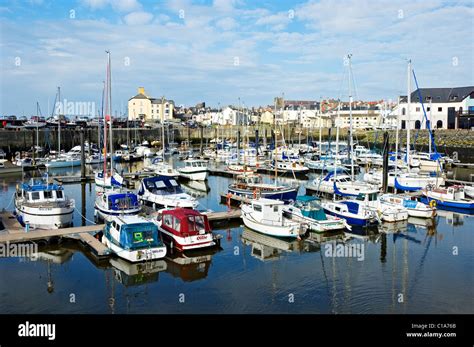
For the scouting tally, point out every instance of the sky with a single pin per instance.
(229, 51)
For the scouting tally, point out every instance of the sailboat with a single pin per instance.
(104, 179)
(61, 159)
(411, 181)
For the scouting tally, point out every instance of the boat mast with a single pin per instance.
(104, 117)
(396, 141)
(337, 145)
(349, 56)
(109, 96)
(429, 142)
(163, 126)
(59, 121)
(408, 112)
(38, 111)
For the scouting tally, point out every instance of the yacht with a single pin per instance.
(267, 217)
(194, 169)
(162, 191)
(111, 203)
(133, 238)
(40, 204)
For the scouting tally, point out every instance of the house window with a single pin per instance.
(417, 109)
(275, 208)
(417, 124)
(428, 109)
(439, 124)
(403, 111)
(440, 109)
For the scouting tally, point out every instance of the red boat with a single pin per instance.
(185, 229)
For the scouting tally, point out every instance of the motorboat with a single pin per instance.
(133, 238)
(267, 217)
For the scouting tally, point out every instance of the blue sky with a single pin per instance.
(188, 50)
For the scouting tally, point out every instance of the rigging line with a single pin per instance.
(85, 218)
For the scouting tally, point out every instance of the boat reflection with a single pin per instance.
(133, 274)
(265, 247)
(190, 266)
(197, 189)
(453, 218)
(400, 226)
(367, 234)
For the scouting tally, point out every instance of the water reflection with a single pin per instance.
(191, 266)
(133, 274)
(264, 247)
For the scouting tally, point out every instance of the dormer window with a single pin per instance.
(428, 98)
(453, 97)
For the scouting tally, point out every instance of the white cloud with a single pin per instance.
(138, 18)
(275, 21)
(118, 5)
(227, 23)
(164, 51)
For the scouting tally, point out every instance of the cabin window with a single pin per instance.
(257, 208)
(168, 220)
(35, 196)
(48, 194)
(59, 194)
(176, 224)
(337, 208)
(275, 208)
(194, 165)
(196, 223)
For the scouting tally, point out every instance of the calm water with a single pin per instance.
(409, 268)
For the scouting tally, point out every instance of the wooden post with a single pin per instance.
(385, 162)
(83, 157)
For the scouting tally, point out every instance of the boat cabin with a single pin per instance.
(160, 185)
(193, 163)
(268, 209)
(310, 207)
(248, 179)
(185, 222)
(133, 233)
(41, 193)
(120, 201)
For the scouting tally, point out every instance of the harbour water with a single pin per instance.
(420, 266)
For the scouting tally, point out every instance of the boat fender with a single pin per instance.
(433, 203)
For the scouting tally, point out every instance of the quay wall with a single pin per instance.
(447, 141)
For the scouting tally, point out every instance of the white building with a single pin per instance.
(442, 105)
(142, 107)
(229, 116)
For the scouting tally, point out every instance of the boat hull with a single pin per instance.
(135, 256)
(187, 243)
(45, 218)
(283, 195)
(194, 176)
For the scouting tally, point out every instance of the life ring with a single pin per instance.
(433, 203)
